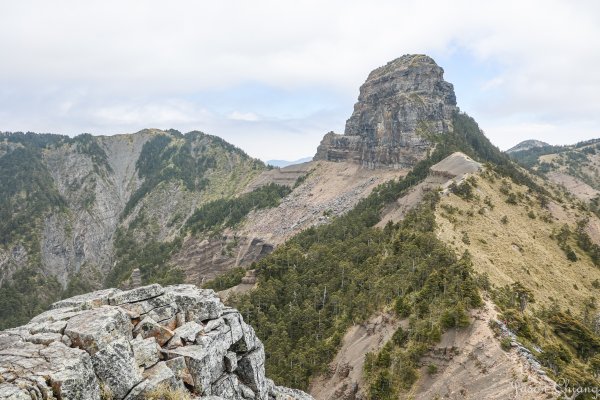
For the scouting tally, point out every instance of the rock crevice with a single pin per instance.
(400, 106)
(127, 344)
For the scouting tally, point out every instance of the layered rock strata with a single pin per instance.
(129, 344)
(400, 107)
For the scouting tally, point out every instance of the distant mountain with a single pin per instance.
(404, 261)
(80, 213)
(575, 167)
(285, 163)
(527, 145)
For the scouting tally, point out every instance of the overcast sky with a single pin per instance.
(274, 76)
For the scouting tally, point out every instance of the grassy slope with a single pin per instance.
(521, 250)
(558, 324)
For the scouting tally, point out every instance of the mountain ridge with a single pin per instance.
(469, 255)
(527, 145)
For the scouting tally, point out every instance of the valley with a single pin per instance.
(410, 259)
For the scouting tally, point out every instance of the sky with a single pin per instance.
(272, 77)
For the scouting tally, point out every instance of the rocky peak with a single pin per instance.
(398, 106)
(129, 344)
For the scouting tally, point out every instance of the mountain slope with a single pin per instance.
(72, 207)
(318, 260)
(527, 145)
(573, 167)
(410, 259)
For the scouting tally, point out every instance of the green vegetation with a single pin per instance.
(464, 190)
(471, 141)
(301, 179)
(151, 258)
(162, 161)
(569, 159)
(529, 158)
(27, 194)
(506, 343)
(88, 145)
(80, 283)
(27, 294)
(34, 140)
(585, 243)
(184, 158)
(224, 213)
(562, 237)
(324, 279)
(227, 280)
(565, 344)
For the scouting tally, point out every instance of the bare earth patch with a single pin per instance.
(472, 365)
(346, 370)
(330, 189)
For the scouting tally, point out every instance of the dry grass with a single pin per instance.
(164, 392)
(522, 249)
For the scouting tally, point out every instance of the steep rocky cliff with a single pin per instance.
(400, 107)
(135, 344)
(72, 210)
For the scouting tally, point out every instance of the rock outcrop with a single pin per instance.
(126, 344)
(399, 106)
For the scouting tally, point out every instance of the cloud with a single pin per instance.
(243, 116)
(70, 66)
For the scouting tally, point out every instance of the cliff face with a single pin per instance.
(96, 194)
(72, 209)
(399, 105)
(129, 345)
(108, 182)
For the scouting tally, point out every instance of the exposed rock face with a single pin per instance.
(130, 343)
(97, 178)
(398, 106)
(206, 259)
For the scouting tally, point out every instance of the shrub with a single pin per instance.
(512, 198)
(518, 323)
(506, 343)
(432, 369)
(408, 375)
(455, 317)
(229, 279)
(555, 356)
(464, 190)
(381, 387)
(401, 307)
(400, 337)
(465, 238)
(571, 255)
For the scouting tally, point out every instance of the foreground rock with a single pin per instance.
(124, 345)
(400, 106)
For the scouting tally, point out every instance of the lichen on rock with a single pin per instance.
(110, 342)
(399, 107)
